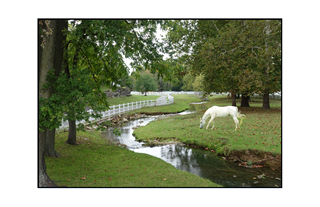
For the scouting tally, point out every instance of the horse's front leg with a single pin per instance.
(210, 122)
(236, 122)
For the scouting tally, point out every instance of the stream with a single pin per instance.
(197, 161)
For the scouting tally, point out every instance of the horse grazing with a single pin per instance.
(216, 111)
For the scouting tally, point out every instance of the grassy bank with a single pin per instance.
(260, 131)
(95, 162)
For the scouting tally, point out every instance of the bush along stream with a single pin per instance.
(224, 156)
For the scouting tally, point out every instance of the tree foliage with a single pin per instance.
(94, 56)
(242, 56)
(198, 84)
(187, 82)
(145, 83)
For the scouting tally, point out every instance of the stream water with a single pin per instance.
(197, 161)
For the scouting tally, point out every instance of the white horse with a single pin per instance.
(216, 111)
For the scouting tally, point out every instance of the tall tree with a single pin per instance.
(50, 61)
(188, 81)
(101, 45)
(198, 83)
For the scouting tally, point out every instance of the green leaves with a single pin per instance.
(145, 83)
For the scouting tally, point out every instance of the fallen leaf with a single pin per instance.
(83, 178)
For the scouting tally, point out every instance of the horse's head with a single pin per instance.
(202, 122)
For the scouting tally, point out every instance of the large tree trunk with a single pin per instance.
(245, 100)
(44, 180)
(266, 103)
(233, 96)
(72, 137)
(50, 142)
(46, 59)
(58, 66)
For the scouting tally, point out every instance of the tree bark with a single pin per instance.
(233, 96)
(50, 142)
(72, 137)
(44, 180)
(245, 100)
(266, 103)
(58, 66)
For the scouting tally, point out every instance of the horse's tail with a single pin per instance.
(240, 116)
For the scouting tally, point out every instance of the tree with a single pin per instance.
(187, 82)
(198, 83)
(50, 59)
(99, 46)
(145, 83)
(178, 85)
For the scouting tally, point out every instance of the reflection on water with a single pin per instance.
(199, 162)
(126, 133)
(205, 164)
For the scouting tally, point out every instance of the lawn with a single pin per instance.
(95, 162)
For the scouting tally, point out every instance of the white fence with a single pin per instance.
(176, 92)
(122, 108)
(164, 93)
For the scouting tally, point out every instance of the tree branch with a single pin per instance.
(84, 55)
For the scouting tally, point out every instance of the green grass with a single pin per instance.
(129, 99)
(260, 130)
(181, 103)
(94, 162)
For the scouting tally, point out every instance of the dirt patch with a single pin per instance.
(255, 157)
(158, 141)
